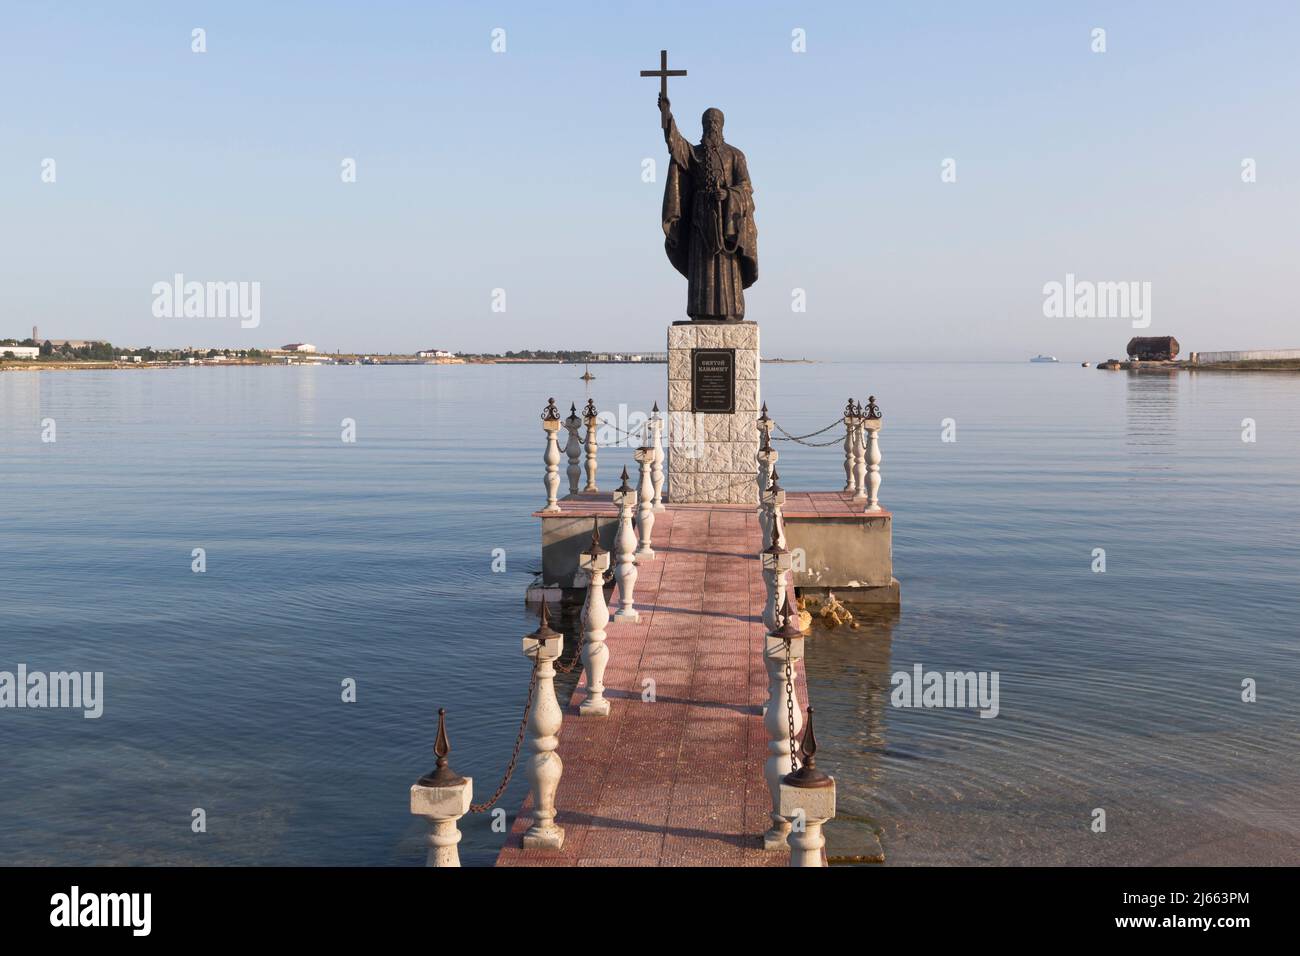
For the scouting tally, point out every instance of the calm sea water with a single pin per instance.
(373, 560)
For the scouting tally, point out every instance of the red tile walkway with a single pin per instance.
(677, 781)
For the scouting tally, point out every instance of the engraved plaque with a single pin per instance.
(713, 381)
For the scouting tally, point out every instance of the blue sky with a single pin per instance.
(522, 170)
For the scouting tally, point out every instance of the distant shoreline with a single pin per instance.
(25, 365)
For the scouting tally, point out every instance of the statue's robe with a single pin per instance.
(714, 244)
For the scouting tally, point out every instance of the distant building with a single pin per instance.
(1153, 348)
(434, 353)
(298, 347)
(1254, 355)
(19, 351)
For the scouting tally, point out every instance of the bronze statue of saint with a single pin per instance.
(708, 220)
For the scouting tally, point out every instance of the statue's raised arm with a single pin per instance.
(678, 148)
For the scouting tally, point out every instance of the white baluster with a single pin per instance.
(624, 547)
(871, 425)
(589, 413)
(859, 462)
(573, 448)
(645, 516)
(551, 423)
(544, 722)
(657, 475)
(850, 447)
(594, 562)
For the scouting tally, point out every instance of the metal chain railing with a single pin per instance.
(523, 723)
(800, 438)
(514, 757)
(789, 702)
(577, 654)
(637, 435)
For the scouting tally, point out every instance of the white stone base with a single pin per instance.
(711, 457)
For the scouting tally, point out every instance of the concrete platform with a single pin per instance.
(837, 546)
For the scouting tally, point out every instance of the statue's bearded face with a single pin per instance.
(712, 122)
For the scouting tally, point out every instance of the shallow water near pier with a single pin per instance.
(373, 560)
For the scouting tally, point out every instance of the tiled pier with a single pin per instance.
(677, 781)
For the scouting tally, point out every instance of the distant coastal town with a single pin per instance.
(36, 353)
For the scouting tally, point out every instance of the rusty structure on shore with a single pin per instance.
(1153, 348)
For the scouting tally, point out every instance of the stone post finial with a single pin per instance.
(442, 797)
(808, 776)
(441, 775)
(764, 423)
(544, 631)
(595, 550)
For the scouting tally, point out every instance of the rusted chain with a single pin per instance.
(577, 656)
(514, 757)
(789, 702)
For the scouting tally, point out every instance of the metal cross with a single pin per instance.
(663, 73)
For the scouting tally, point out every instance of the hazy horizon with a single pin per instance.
(522, 170)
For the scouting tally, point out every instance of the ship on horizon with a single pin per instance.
(1044, 358)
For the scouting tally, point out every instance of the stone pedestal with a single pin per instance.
(810, 809)
(713, 402)
(442, 807)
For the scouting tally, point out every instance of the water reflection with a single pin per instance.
(848, 679)
(1151, 406)
(305, 391)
